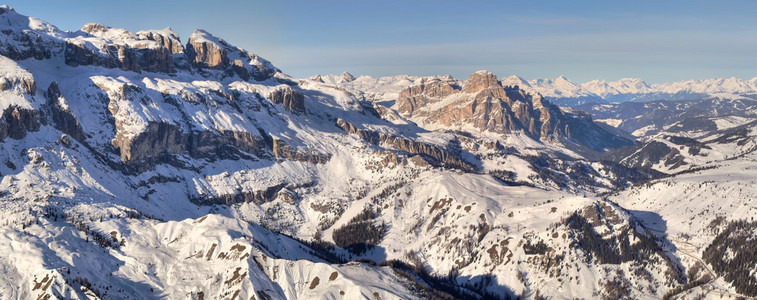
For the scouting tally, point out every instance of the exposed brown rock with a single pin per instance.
(287, 196)
(347, 77)
(429, 90)
(169, 41)
(283, 150)
(22, 85)
(292, 100)
(439, 156)
(205, 51)
(206, 54)
(280, 191)
(161, 138)
(479, 81)
(484, 103)
(15, 122)
(110, 56)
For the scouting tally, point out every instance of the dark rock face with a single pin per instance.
(292, 100)
(438, 156)
(281, 149)
(258, 197)
(161, 138)
(62, 118)
(205, 51)
(489, 106)
(15, 122)
(120, 56)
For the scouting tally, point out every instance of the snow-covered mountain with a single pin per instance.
(138, 167)
(564, 92)
(690, 118)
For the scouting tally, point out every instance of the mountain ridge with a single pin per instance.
(562, 91)
(137, 167)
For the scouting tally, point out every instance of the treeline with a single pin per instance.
(614, 250)
(360, 234)
(733, 255)
(618, 249)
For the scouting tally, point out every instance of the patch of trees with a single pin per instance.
(617, 289)
(360, 234)
(257, 197)
(617, 248)
(733, 255)
(508, 178)
(692, 284)
(538, 248)
(428, 286)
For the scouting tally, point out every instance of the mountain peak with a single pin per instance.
(91, 28)
(6, 8)
(480, 80)
(347, 76)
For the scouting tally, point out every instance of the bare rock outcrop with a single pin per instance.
(166, 37)
(206, 51)
(438, 156)
(347, 77)
(61, 116)
(480, 80)
(282, 192)
(19, 84)
(488, 106)
(100, 45)
(292, 100)
(281, 149)
(119, 56)
(16, 122)
(429, 90)
(161, 138)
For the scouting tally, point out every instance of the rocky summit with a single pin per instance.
(136, 166)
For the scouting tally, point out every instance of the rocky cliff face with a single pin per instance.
(208, 52)
(429, 90)
(166, 37)
(435, 155)
(292, 100)
(16, 122)
(107, 47)
(488, 106)
(18, 84)
(61, 115)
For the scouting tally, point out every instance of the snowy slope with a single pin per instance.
(210, 174)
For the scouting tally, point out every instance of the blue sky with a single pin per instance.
(657, 41)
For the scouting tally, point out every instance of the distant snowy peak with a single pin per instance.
(565, 92)
(603, 88)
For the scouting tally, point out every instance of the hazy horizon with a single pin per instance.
(657, 42)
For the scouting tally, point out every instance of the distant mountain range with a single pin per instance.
(564, 92)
